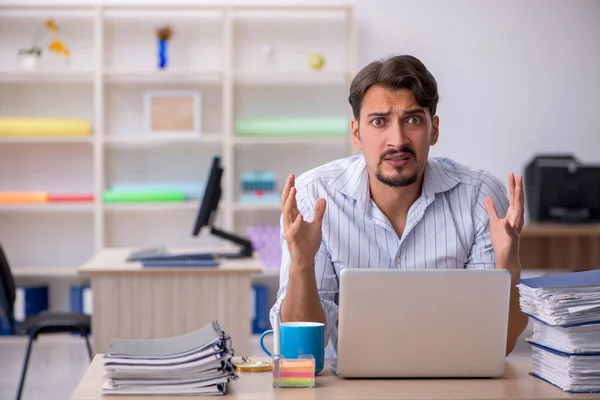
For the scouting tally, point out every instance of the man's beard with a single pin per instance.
(397, 180)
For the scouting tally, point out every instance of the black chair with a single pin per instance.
(46, 322)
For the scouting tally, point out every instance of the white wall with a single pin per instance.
(515, 77)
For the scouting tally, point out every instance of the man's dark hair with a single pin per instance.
(396, 72)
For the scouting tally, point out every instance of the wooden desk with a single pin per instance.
(130, 301)
(515, 384)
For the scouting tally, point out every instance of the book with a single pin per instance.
(197, 363)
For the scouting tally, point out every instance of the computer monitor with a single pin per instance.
(208, 210)
(569, 192)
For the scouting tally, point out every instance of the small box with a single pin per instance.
(294, 372)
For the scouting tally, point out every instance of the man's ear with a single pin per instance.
(435, 130)
(355, 134)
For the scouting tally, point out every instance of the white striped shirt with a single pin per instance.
(446, 227)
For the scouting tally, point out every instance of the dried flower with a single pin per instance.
(59, 47)
(51, 25)
(36, 48)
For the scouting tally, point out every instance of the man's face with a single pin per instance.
(394, 133)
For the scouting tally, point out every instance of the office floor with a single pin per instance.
(58, 362)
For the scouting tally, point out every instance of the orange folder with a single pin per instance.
(23, 197)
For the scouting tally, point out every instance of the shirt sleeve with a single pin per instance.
(481, 254)
(326, 277)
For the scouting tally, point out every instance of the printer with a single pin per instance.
(561, 189)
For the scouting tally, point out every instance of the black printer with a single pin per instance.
(559, 188)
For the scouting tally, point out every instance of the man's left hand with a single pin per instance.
(505, 232)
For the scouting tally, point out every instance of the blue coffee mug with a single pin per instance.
(300, 338)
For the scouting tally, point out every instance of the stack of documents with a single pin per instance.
(565, 309)
(198, 363)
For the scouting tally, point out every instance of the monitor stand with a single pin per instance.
(246, 250)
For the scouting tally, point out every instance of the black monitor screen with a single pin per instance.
(212, 195)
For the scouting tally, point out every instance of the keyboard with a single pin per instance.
(179, 260)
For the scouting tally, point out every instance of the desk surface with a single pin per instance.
(112, 260)
(515, 384)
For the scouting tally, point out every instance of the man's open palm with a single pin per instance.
(303, 238)
(505, 232)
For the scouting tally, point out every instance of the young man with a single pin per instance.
(393, 206)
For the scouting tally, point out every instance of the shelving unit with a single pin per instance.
(216, 49)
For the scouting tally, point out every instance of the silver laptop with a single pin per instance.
(422, 323)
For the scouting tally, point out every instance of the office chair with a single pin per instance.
(46, 322)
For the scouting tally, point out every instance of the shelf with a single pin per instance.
(44, 139)
(218, 49)
(256, 207)
(44, 272)
(166, 76)
(148, 140)
(42, 11)
(266, 77)
(152, 206)
(61, 207)
(153, 11)
(59, 76)
(303, 140)
(550, 229)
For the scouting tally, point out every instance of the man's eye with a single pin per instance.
(413, 120)
(378, 122)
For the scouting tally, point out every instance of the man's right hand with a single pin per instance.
(303, 238)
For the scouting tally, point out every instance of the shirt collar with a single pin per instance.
(354, 180)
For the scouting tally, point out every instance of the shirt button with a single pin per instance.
(397, 260)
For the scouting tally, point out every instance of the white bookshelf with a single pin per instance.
(216, 49)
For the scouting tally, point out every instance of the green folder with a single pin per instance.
(132, 196)
(293, 126)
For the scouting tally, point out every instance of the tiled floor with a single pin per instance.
(58, 362)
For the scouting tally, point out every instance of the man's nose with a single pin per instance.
(396, 135)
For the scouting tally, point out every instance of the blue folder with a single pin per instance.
(569, 279)
(179, 263)
(562, 353)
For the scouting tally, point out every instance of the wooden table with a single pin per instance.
(516, 383)
(573, 247)
(130, 301)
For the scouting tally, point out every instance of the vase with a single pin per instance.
(162, 53)
(29, 62)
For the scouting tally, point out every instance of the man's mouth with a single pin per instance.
(398, 157)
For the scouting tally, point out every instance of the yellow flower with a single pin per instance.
(51, 25)
(59, 48)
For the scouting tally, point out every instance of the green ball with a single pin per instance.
(316, 61)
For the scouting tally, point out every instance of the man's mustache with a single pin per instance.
(403, 149)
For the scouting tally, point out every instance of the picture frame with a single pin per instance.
(173, 112)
